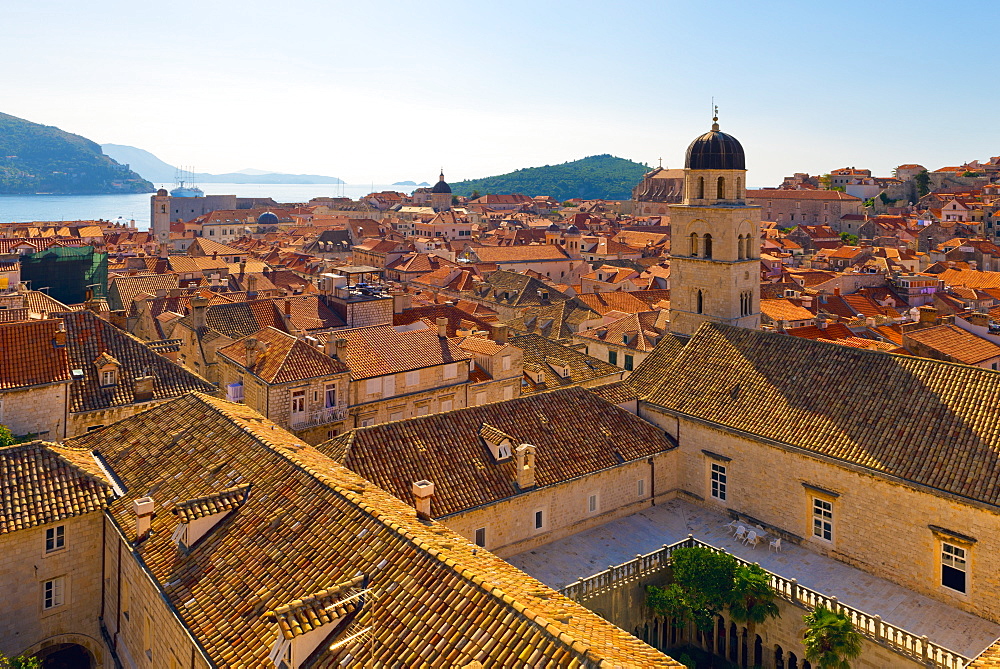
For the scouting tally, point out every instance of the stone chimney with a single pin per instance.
(175, 292)
(143, 390)
(251, 347)
(500, 333)
(423, 491)
(199, 305)
(143, 508)
(161, 292)
(928, 314)
(442, 325)
(401, 302)
(525, 458)
(982, 320)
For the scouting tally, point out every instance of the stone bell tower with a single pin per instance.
(714, 239)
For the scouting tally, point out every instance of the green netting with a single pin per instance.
(67, 272)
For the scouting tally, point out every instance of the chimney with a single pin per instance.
(500, 333)
(215, 255)
(143, 390)
(928, 314)
(288, 307)
(336, 348)
(442, 325)
(836, 290)
(243, 267)
(525, 457)
(161, 292)
(143, 508)
(199, 305)
(422, 493)
(60, 340)
(175, 292)
(401, 302)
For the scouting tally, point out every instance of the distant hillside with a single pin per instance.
(154, 169)
(605, 177)
(38, 158)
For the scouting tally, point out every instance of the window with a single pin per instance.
(481, 537)
(447, 405)
(719, 481)
(508, 392)
(330, 396)
(953, 567)
(55, 538)
(147, 636)
(708, 246)
(126, 598)
(701, 188)
(592, 503)
(640, 488)
(298, 401)
(396, 415)
(629, 361)
(822, 519)
(539, 520)
(423, 410)
(613, 357)
(109, 377)
(700, 303)
(53, 593)
(721, 189)
(505, 363)
(693, 244)
(413, 378)
(373, 386)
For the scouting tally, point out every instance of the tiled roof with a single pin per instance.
(310, 525)
(318, 609)
(40, 303)
(388, 349)
(770, 194)
(480, 345)
(616, 392)
(970, 278)
(640, 330)
(954, 343)
(539, 351)
(914, 418)
(122, 290)
(239, 319)
(622, 301)
(831, 331)
(29, 355)
(87, 337)
(554, 321)
(207, 505)
(433, 312)
(448, 448)
(285, 358)
(513, 289)
(39, 484)
(784, 310)
(650, 371)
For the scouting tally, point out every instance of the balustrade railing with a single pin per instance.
(319, 417)
(873, 627)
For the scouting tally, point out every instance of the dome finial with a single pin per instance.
(715, 119)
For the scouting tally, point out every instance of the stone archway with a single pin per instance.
(66, 656)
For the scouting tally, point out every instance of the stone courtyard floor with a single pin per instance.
(562, 562)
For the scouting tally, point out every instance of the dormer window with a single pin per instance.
(201, 515)
(107, 370)
(109, 377)
(501, 445)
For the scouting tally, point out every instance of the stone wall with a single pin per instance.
(38, 410)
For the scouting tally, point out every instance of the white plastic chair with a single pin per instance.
(775, 544)
(751, 538)
(731, 526)
(741, 532)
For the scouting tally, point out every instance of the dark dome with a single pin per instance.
(162, 192)
(715, 151)
(441, 187)
(553, 228)
(267, 218)
(572, 230)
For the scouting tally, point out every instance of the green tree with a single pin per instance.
(886, 200)
(923, 181)
(702, 587)
(824, 181)
(21, 662)
(751, 600)
(6, 439)
(849, 239)
(830, 639)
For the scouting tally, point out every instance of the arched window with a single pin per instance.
(701, 188)
(721, 189)
(694, 244)
(739, 248)
(739, 188)
(700, 306)
(708, 246)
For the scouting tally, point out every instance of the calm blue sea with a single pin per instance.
(27, 208)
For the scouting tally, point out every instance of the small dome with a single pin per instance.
(572, 230)
(162, 192)
(441, 186)
(552, 228)
(267, 218)
(715, 151)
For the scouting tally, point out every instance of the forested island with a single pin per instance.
(594, 177)
(37, 158)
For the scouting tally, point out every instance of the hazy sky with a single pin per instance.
(384, 91)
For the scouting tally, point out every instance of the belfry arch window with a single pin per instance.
(739, 248)
(721, 188)
(708, 246)
(700, 303)
(694, 244)
(701, 188)
(739, 186)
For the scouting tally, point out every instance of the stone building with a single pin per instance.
(715, 248)
(792, 207)
(658, 189)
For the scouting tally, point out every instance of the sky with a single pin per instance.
(376, 91)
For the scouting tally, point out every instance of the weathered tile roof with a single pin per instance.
(651, 370)
(634, 331)
(616, 392)
(239, 319)
(207, 505)
(782, 309)
(42, 483)
(555, 321)
(513, 290)
(448, 448)
(954, 343)
(285, 359)
(378, 350)
(320, 608)
(539, 351)
(122, 290)
(87, 337)
(433, 312)
(29, 355)
(617, 300)
(926, 421)
(310, 524)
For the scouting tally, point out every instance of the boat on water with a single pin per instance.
(187, 191)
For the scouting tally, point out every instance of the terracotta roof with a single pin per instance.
(311, 525)
(29, 355)
(539, 351)
(784, 310)
(616, 392)
(318, 609)
(448, 448)
(43, 483)
(954, 343)
(284, 359)
(768, 194)
(524, 253)
(970, 278)
(638, 332)
(378, 350)
(122, 290)
(914, 418)
(207, 505)
(831, 331)
(87, 337)
(455, 317)
(623, 301)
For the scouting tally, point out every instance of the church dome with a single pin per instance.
(715, 151)
(553, 228)
(162, 192)
(572, 230)
(441, 186)
(267, 218)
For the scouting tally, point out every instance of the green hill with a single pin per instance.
(42, 159)
(605, 177)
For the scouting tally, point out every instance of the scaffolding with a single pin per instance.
(65, 273)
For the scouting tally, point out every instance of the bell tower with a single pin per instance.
(714, 239)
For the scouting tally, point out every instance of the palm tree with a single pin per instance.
(752, 597)
(830, 639)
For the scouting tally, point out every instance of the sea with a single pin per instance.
(135, 207)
